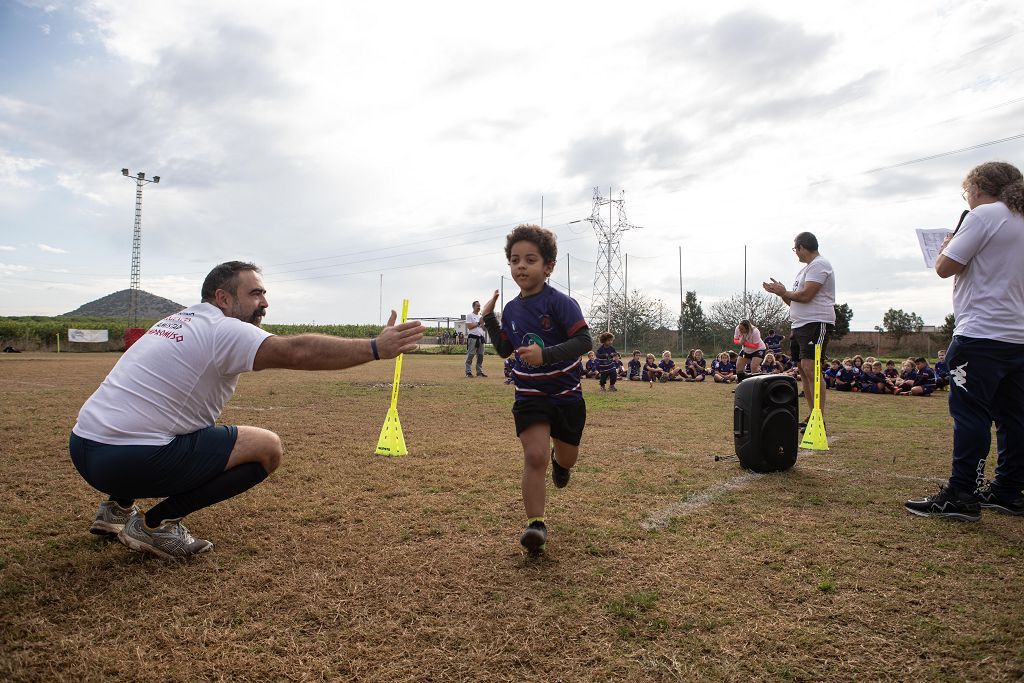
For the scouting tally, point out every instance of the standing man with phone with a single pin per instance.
(475, 341)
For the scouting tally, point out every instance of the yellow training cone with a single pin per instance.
(814, 434)
(391, 441)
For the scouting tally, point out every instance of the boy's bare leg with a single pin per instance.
(566, 454)
(536, 440)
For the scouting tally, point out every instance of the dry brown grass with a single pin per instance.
(350, 566)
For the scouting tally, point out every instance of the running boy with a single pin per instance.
(546, 331)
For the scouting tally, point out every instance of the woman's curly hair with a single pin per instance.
(1000, 180)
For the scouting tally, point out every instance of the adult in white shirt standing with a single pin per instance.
(149, 430)
(812, 309)
(475, 338)
(985, 255)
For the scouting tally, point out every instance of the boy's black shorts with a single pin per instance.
(803, 339)
(566, 419)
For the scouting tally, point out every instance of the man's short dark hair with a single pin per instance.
(806, 240)
(920, 359)
(225, 276)
(476, 303)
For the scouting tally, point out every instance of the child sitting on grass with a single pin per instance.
(669, 371)
(590, 369)
(722, 369)
(652, 373)
(636, 367)
(697, 367)
(547, 332)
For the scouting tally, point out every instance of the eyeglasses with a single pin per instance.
(796, 249)
(964, 195)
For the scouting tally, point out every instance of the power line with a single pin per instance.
(945, 154)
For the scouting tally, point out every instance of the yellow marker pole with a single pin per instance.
(814, 435)
(392, 441)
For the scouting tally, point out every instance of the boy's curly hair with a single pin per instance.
(606, 337)
(544, 239)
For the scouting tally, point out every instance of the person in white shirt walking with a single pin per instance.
(475, 338)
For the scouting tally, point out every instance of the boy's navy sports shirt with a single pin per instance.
(547, 318)
(634, 368)
(605, 360)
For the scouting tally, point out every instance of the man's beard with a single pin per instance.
(254, 318)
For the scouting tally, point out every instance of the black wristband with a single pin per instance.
(373, 347)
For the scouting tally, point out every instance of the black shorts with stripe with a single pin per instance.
(803, 339)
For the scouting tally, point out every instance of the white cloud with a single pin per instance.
(5, 247)
(51, 250)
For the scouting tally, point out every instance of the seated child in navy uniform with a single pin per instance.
(697, 367)
(668, 368)
(773, 342)
(846, 380)
(831, 373)
(891, 372)
(924, 380)
(620, 369)
(872, 379)
(652, 372)
(590, 369)
(636, 367)
(722, 370)
(941, 371)
(908, 373)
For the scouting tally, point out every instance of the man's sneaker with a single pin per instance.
(559, 474)
(111, 518)
(989, 499)
(480, 374)
(534, 538)
(469, 374)
(946, 503)
(170, 541)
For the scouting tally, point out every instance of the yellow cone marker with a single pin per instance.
(391, 441)
(814, 435)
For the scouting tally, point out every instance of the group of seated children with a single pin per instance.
(695, 369)
(865, 375)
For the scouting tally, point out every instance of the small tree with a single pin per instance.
(767, 312)
(635, 319)
(693, 325)
(898, 324)
(844, 314)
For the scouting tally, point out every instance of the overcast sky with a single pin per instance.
(336, 143)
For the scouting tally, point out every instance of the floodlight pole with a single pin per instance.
(133, 291)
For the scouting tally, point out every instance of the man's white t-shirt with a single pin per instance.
(988, 294)
(175, 380)
(476, 331)
(820, 309)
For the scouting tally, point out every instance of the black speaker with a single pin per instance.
(764, 422)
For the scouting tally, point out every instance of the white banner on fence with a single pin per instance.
(88, 335)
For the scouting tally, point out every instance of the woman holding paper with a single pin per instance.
(986, 357)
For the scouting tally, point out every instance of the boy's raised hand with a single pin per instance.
(488, 306)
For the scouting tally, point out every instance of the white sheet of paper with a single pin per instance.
(930, 240)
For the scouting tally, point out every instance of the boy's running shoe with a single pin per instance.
(534, 538)
(111, 518)
(559, 475)
(170, 541)
(946, 503)
(991, 500)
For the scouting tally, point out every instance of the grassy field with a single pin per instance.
(662, 565)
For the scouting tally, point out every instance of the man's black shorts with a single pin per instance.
(803, 339)
(566, 419)
(130, 472)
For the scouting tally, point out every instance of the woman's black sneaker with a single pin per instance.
(993, 501)
(947, 503)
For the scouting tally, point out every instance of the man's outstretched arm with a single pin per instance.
(322, 352)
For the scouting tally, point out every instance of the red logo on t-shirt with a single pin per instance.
(545, 322)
